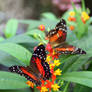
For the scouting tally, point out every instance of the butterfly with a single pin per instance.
(57, 38)
(37, 70)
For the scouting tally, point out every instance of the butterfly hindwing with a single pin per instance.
(69, 49)
(47, 70)
(23, 71)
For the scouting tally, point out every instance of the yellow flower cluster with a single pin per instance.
(48, 59)
(58, 72)
(85, 16)
(44, 89)
(55, 87)
(72, 13)
(57, 62)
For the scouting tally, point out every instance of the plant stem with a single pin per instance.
(66, 87)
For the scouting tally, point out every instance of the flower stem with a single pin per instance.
(66, 87)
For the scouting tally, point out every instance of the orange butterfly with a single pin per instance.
(57, 38)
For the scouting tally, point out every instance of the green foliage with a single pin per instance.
(84, 77)
(80, 25)
(49, 15)
(23, 38)
(1, 39)
(11, 28)
(17, 51)
(11, 81)
(81, 88)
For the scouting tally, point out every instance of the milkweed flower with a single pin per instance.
(42, 27)
(31, 84)
(48, 59)
(44, 89)
(71, 27)
(72, 13)
(84, 17)
(71, 19)
(58, 72)
(51, 51)
(55, 87)
(56, 62)
(50, 84)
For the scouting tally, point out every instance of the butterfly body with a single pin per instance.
(57, 38)
(37, 70)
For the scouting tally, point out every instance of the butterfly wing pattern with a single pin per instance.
(37, 70)
(57, 38)
(69, 49)
(57, 35)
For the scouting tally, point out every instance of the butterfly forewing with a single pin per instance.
(39, 53)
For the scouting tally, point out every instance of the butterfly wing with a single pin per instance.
(68, 49)
(38, 68)
(23, 71)
(41, 65)
(58, 35)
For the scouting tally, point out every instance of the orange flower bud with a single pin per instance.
(42, 27)
(72, 19)
(71, 27)
(83, 20)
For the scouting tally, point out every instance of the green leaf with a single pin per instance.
(83, 78)
(17, 90)
(78, 63)
(36, 32)
(35, 24)
(23, 38)
(69, 61)
(17, 51)
(11, 28)
(1, 39)
(12, 81)
(83, 6)
(81, 88)
(49, 15)
(66, 87)
(9, 60)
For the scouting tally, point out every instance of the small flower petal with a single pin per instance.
(57, 62)
(55, 87)
(44, 89)
(48, 59)
(70, 18)
(71, 27)
(72, 13)
(31, 84)
(57, 72)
